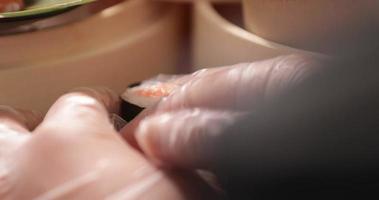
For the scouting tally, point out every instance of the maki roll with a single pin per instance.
(129, 109)
(141, 95)
(11, 5)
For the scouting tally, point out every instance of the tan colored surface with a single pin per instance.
(33, 24)
(218, 42)
(124, 43)
(11, 5)
(336, 27)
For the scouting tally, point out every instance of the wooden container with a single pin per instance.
(218, 42)
(335, 27)
(122, 44)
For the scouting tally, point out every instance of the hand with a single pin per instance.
(182, 129)
(75, 153)
(280, 128)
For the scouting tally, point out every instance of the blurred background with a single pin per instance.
(52, 46)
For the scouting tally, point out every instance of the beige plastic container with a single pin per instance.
(27, 25)
(334, 27)
(122, 44)
(218, 42)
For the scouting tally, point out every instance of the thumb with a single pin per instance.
(184, 138)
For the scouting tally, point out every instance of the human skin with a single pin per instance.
(208, 98)
(278, 129)
(75, 153)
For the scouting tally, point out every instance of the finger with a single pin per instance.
(148, 92)
(15, 124)
(237, 87)
(242, 85)
(171, 81)
(183, 138)
(84, 108)
(107, 97)
(18, 119)
(179, 80)
(168, 78)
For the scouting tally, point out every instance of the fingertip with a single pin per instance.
(76, 102)
(83, 108)
(181, 138)
(107, 97)
(141, 134)
(146, 137)
(157, 136)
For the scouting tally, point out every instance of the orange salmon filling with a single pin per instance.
(159, 90)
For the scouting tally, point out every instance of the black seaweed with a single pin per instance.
(128, 110)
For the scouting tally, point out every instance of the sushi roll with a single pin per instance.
(128, 109)
(141, 95)
(11, 5)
